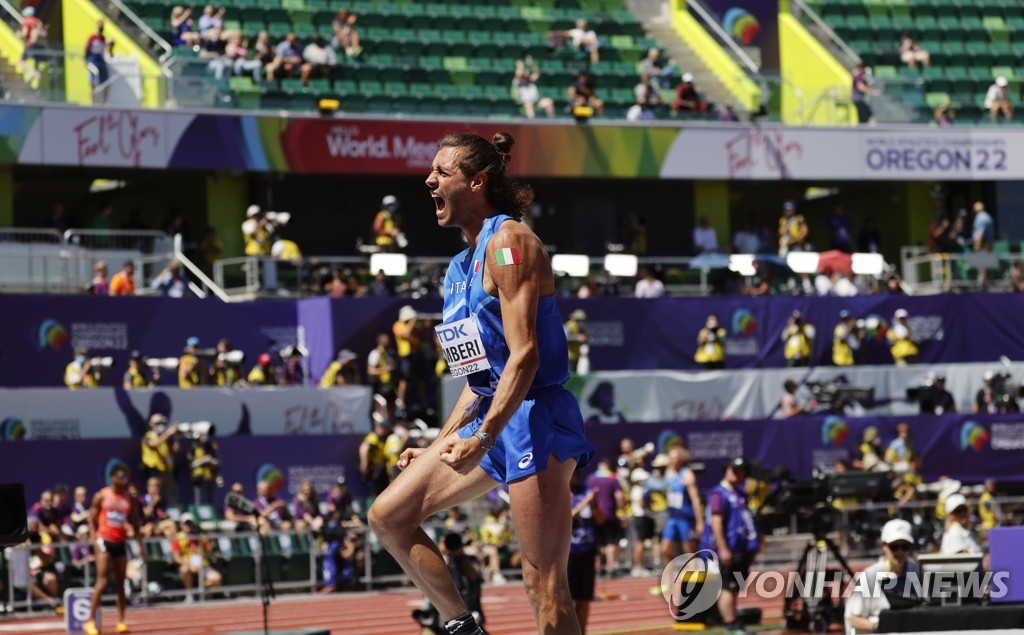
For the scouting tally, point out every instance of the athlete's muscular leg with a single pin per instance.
(542, 511)
(425, 487)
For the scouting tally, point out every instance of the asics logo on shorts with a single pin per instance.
(526, 460)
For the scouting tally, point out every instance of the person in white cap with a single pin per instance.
(901, 341)
(959, 535)
(867, 600)
(687, 98)
(997, 100)
(385, 224)
(256, 232)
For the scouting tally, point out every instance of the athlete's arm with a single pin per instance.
(690, 481)
(94, 516)
(519, 287)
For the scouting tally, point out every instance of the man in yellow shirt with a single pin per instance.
(159, 446)
(576, 336)
(988, 509)
(373, 464)
(385, 225)
(407, 345)
(901, 341)
(711, 345)
(79, 373)
(191, 370)
(846, 338)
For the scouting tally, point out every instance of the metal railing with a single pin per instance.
(208, 285)
(145, 241)
(29, 235)
(928, 273)
(800, 9)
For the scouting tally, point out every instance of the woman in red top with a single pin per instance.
(112, 511)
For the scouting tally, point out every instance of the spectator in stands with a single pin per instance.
(727, 114)
(710, 351)
(272, 511)
(959, 536)
(687, 98)
(154, 520)
(585, 40)
(380, 286)
(911, 52)
(901, 341)
(214, 48)
(997, 100)
(102, 222)
(211, 19)
(343, 371)
(81, 373)
(204, 466)
(869, 453)
(648, 286)
(860, 90)
(945, 114)
(191, 552)
(746, 240)
(62, 506)
(793, 230)
(123, 282)
(159, 445)
(901, 451)
(191, 370)
(137, 376)
(262, 50)
(705, 239)
(320, 59)
(306, 508)
(263, 374)
(81, 508)
(96, 47)
(610, 501)
(839, 230)
(292, 373)
(648, 98)
(1016, 277)
(892, 571)
(386, 225)
(99, 285)
(790, 405)
(171, 282)
(182, 27)
(32, 570)
(583, 95)
(287, 59)
(234, 512)
(798, 340)
(653, 67)
(982, 236)
(30, 32)
(342, 510)
(524, 83)
(346, 37)
(762, 282)
(576, 335)
(46, 513)
(237, 51)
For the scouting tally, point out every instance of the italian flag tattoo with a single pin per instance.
(508, 256)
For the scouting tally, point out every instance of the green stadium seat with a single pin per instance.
(370, 88)
(980, 54)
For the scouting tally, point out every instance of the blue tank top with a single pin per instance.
(738, 522)
(679, 503)
(464, 296)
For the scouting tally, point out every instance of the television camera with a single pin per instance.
(836, 396)
(197, 429)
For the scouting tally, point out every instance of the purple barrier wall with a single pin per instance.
(969, 448)
(38, 333)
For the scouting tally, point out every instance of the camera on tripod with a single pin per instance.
(102, 362)
(836, 396)
(196, 430)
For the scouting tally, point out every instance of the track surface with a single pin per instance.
(626, 606)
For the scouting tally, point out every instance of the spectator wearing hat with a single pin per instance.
(901, 341)
(710, 351)
(159, 445)
(137, 376)
(576, 335)
(730, 534)
(343, 371)
(191, 369)
(386, 227)
(256, 232)
(793, 230)
(262, 374)
(798, 341)
(959, 536)
(292, 373)
(869, 453)
(997, 100)
(191, 551)
(410, 356)
(341, 507)
(867, 600)
(123, 282)
(373, 465)
(846, 338)
(687, 98)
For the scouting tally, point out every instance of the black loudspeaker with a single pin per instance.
(13, 524)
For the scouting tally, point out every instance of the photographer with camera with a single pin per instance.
(711, 345)
(137, 376)
(901, 342)
(790, 406)
(387, 229)
(159, 446)
(798, 340)
(846, 339)
(933, 396)
(256, 232)
(885, 579)
(997, 396)
(191, 369)
(204, 461)
(263, 373)
(227, 365)
(85, 371)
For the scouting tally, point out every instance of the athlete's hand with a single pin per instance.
(462, 455)
(407, 457)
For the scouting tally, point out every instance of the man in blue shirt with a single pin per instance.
(983, 233)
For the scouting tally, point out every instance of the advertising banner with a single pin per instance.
(37, 414)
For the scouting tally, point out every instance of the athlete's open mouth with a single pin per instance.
(438, 202)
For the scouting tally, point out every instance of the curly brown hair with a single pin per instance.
(492, 157)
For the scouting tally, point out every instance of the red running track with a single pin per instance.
(626, 606)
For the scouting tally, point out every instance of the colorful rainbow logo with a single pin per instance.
(743, 323)
(743, 27)
(12, 429)
(669, 439)
(833, 431)
(973, 436)
(875, 327)
(51, 334)
(273, 476)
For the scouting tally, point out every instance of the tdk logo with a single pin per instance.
(450, 333)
